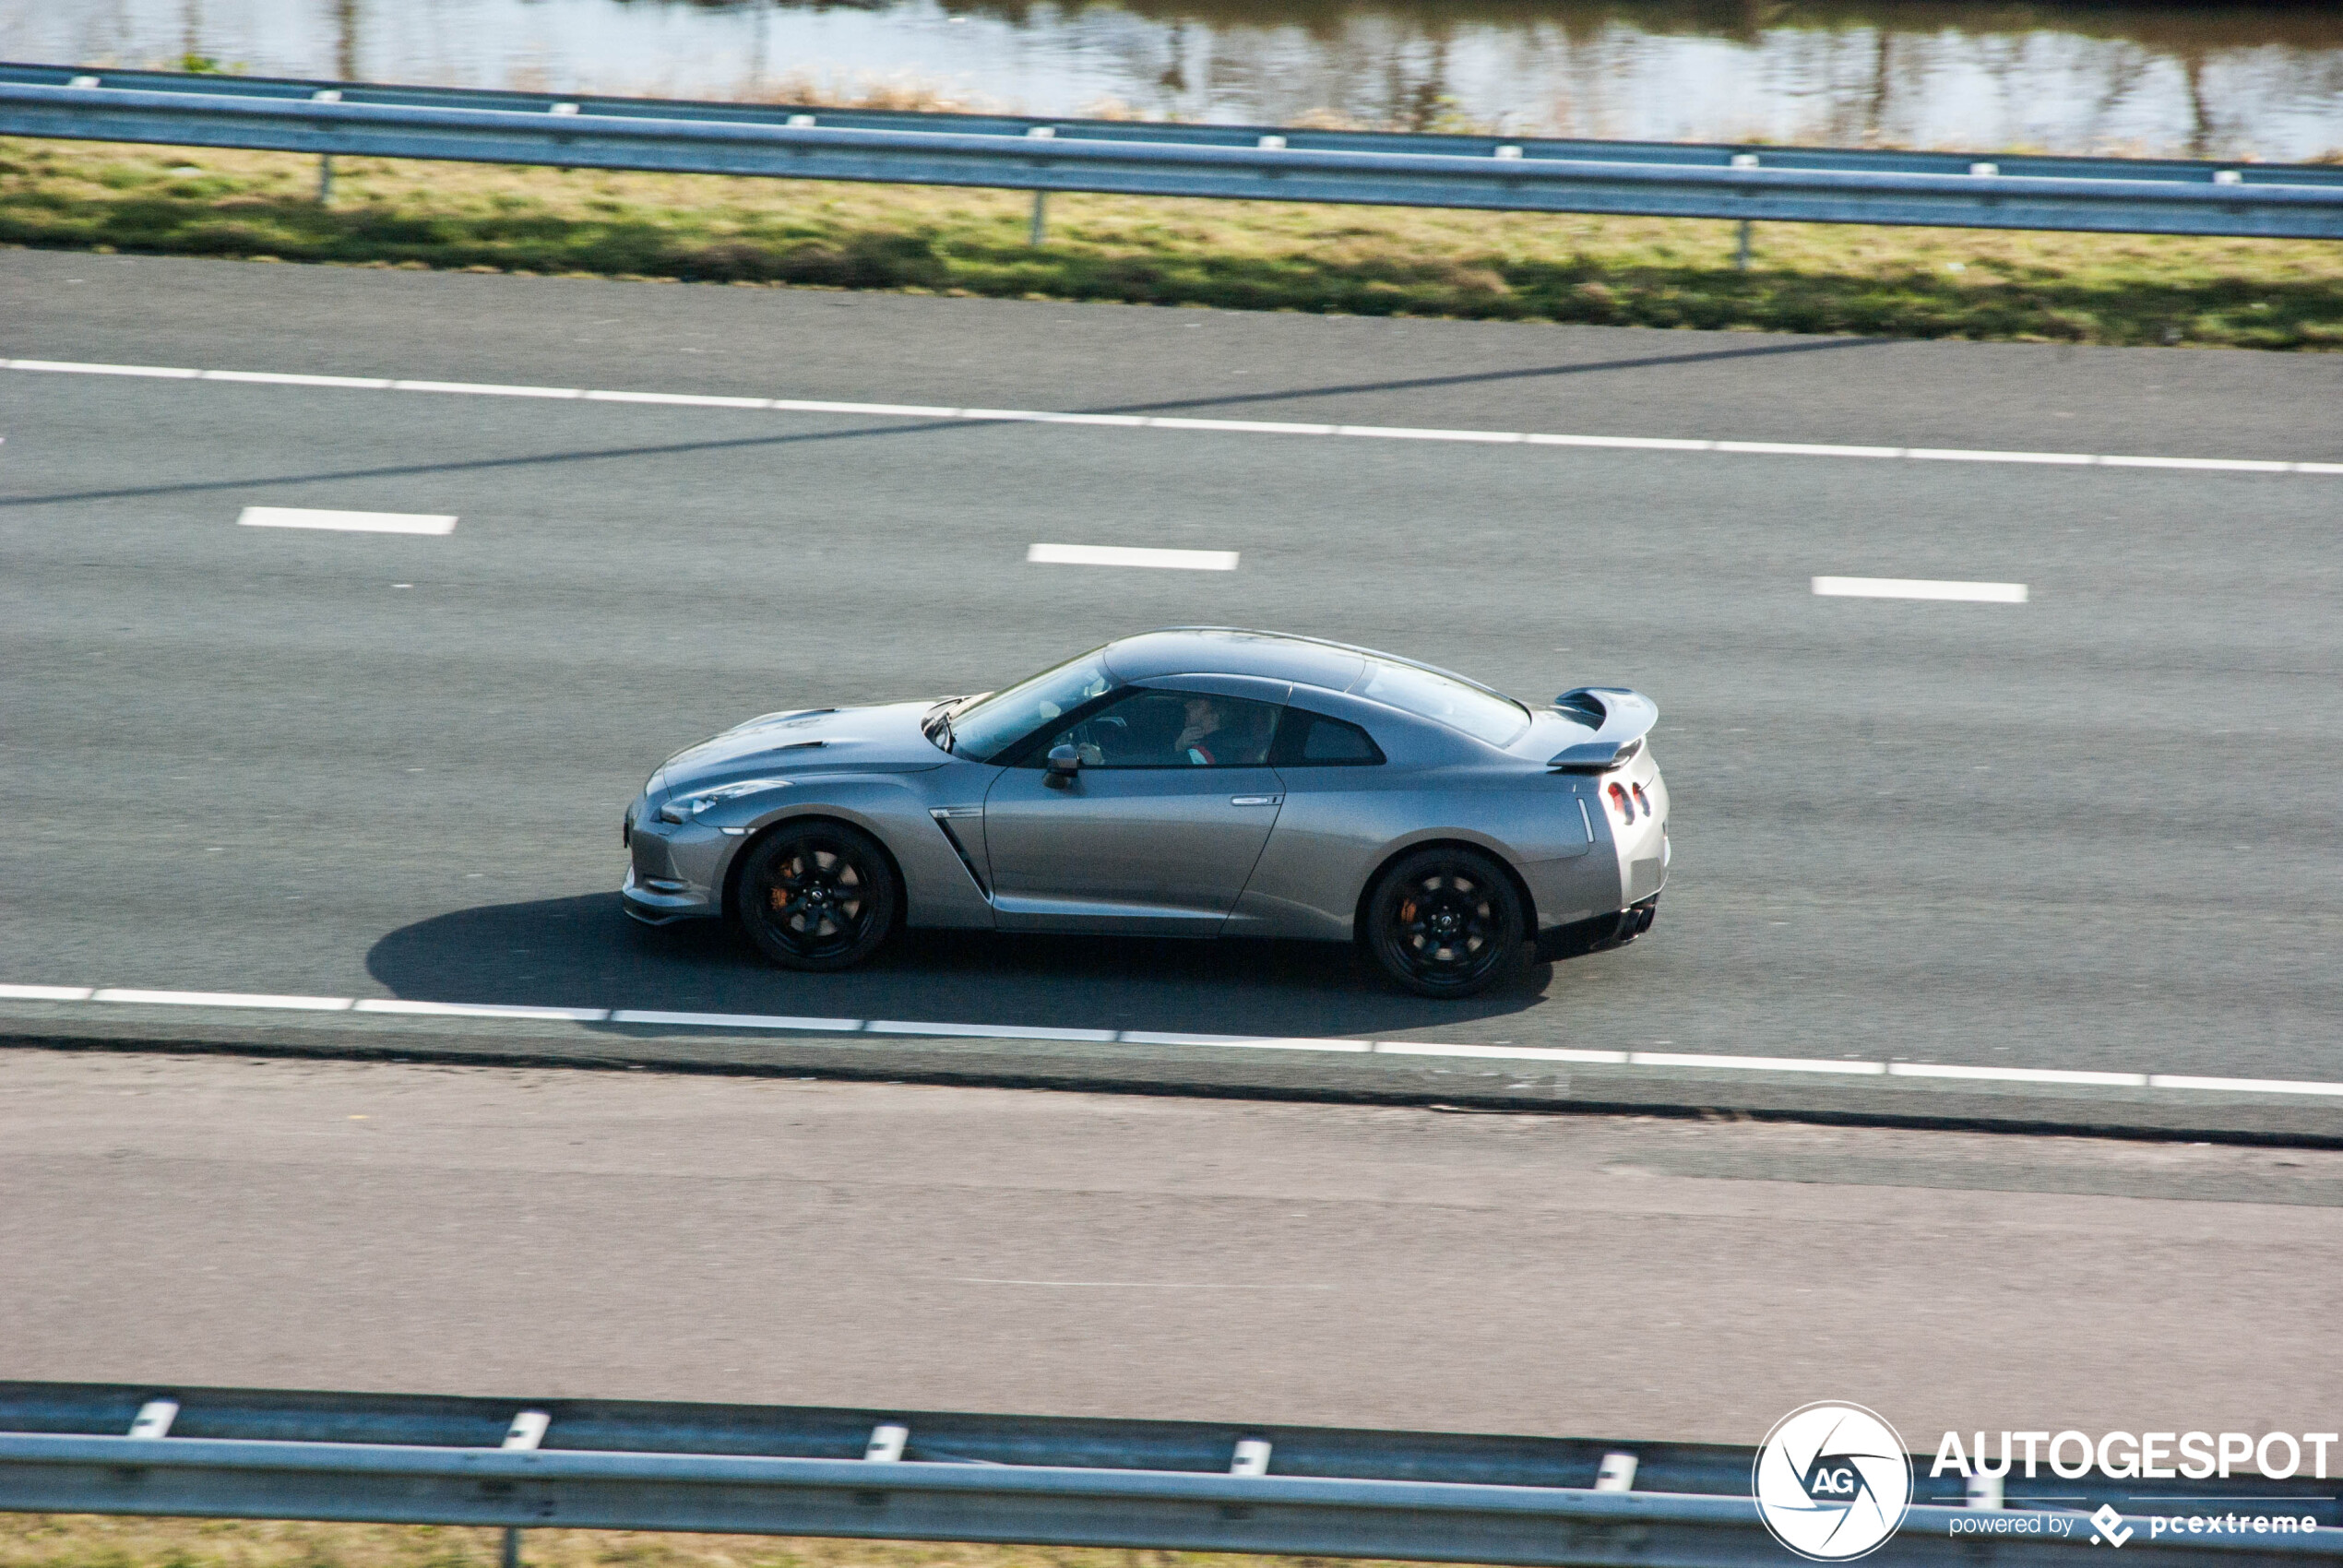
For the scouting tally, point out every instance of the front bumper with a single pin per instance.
(674, 871)
(654, 905)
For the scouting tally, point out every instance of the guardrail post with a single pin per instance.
(1741, 250)
(527, 1432)
(1041, 197)
(325, 160)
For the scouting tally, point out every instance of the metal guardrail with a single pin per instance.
(930, 1476)
(1251, 164)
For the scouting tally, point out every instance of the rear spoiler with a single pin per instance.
(1620, 718)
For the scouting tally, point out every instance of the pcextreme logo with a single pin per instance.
(1832, 1481)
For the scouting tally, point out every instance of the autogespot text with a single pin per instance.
(2155, 1456)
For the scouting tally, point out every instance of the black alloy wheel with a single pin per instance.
(1445, 923)
(818, 895)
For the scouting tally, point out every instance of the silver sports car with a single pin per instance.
(1194, 782)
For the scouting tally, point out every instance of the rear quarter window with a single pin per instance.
(1481, 713)
(1312, 739)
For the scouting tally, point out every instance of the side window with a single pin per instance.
(1153, 728)
(1312, 739)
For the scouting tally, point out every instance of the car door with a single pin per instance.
(1158, 831)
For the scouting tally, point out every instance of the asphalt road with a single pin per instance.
(2098, 831)
(536, 1233)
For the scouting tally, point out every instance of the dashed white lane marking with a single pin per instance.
(1127, 1284)
(1167, 421)
(343, 522)
(1126, 556)
(930, 1030)
(1919, 587)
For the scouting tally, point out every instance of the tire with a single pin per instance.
(1445, 923)
(818, 896)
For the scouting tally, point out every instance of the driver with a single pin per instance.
(1204, 720)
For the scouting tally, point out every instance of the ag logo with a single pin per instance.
(1832, 1481)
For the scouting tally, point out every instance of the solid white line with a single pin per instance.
(343, 522)
(482, 1010)
(683, 399)
(1627, 443)
(1156, 1037)
(738, 1021)
(275, 379)
(483, 389)
(1144, 1037)
(1971, 455)
(68, 367)
(1752, 1064)
(1401, 432)
(1247, 427)
(1807, 449)
(1244, 427)
(891, 410)
(982, 1031)
(2014, 1074)
(1500, 1053)
(1125, 555)
(1918, 588)
(223, 999)
(2242, 1085)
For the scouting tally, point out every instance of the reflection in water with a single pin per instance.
(2212, 80)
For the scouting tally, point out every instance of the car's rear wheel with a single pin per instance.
(818, 896)
(1445, 923)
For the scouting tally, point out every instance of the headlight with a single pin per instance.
(684, 808)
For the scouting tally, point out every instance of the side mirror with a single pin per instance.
(1063, 764)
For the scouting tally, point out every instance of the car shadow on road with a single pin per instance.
(583, 952)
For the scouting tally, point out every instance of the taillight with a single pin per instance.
(1622, 804)
(1643, 802)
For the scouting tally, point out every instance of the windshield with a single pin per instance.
(999, 722)
(1483, 715)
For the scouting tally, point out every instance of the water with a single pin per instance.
(2209, 80)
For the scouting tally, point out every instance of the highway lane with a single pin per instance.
(2095, 831)
(563, 1233)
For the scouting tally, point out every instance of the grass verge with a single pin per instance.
(71, 1540)
(1245, 255)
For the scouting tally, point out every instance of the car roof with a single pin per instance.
(1229, 650)
(1235, 650)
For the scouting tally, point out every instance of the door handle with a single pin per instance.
(1255, 799)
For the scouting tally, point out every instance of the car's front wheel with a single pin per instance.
(1445, 923)
(818, 896)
